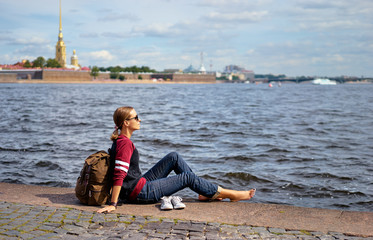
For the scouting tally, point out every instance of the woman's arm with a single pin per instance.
(122, 162)
(114, 200)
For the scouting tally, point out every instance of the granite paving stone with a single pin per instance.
(276, 230)
(22, 221)
(120, 226)
(305, 237)
(212, 235)
(81, 224)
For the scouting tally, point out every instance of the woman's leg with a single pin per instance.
(171, 162)
(159, 185)
(154, 190)
(233, 195)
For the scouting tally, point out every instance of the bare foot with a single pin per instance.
(244, 195)
(205, 199)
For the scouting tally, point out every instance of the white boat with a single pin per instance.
(324, 81)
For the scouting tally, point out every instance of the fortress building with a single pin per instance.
(202, 68)
(74, 59)
(60, 46)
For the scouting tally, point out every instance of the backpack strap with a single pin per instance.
(86, 178)
(112, 153)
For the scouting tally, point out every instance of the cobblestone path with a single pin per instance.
(22, 221)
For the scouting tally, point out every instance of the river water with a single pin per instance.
(299, 144)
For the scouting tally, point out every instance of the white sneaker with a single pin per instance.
(176, 201)
(166, 203)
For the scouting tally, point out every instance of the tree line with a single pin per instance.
(133, 69)
(41, 63)
(115, 71)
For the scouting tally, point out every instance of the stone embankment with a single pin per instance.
(69, 76)
(34, 212)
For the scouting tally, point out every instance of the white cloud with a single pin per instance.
(132, 62)
(89, 35)
(318, 4)
(102, 55)
(118, 17)
(225, 52)
(290, 37)
(8, 59)
(31, 41)
(185, 58)
(335, 58)
(234, 4)
(120, 35)
(5, 36)
(334, 16)
(239, 17)
(34, 50)
(155, 30)
(148, 54)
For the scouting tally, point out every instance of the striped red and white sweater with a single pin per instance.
(126, 171)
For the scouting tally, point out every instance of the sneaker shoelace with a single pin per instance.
(166, 203)
(166, 199)
(177, 198)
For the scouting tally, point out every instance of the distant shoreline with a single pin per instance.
(103, 81)
(133, 81)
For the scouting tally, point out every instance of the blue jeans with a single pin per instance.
(158, 184)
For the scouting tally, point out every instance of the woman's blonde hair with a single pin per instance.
(119, 116)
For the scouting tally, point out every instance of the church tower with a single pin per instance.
(74, 59)
(60, 46)
(202, 69)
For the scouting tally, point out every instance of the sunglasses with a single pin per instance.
(136, 118)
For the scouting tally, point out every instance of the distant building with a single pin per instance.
(233, 69)
(172, 70)
(74, 62)
(60, 46)
(248, 75)
(202, 68)
(190, 69)
(61, 51)
(74, 59)
(236, 73)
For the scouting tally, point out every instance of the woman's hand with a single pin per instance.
(107, 209)
(114, 201)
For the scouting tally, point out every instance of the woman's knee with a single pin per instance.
(190, 177)
(173, 156)
(178, 163)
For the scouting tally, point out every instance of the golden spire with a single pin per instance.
(60, 46)
(60, 36)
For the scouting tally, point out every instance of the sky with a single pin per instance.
(291, 37)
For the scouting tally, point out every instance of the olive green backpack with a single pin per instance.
(94, 184)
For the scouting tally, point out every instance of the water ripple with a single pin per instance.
(298, 145)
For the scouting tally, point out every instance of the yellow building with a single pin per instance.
(60, 46)
(74, 59)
